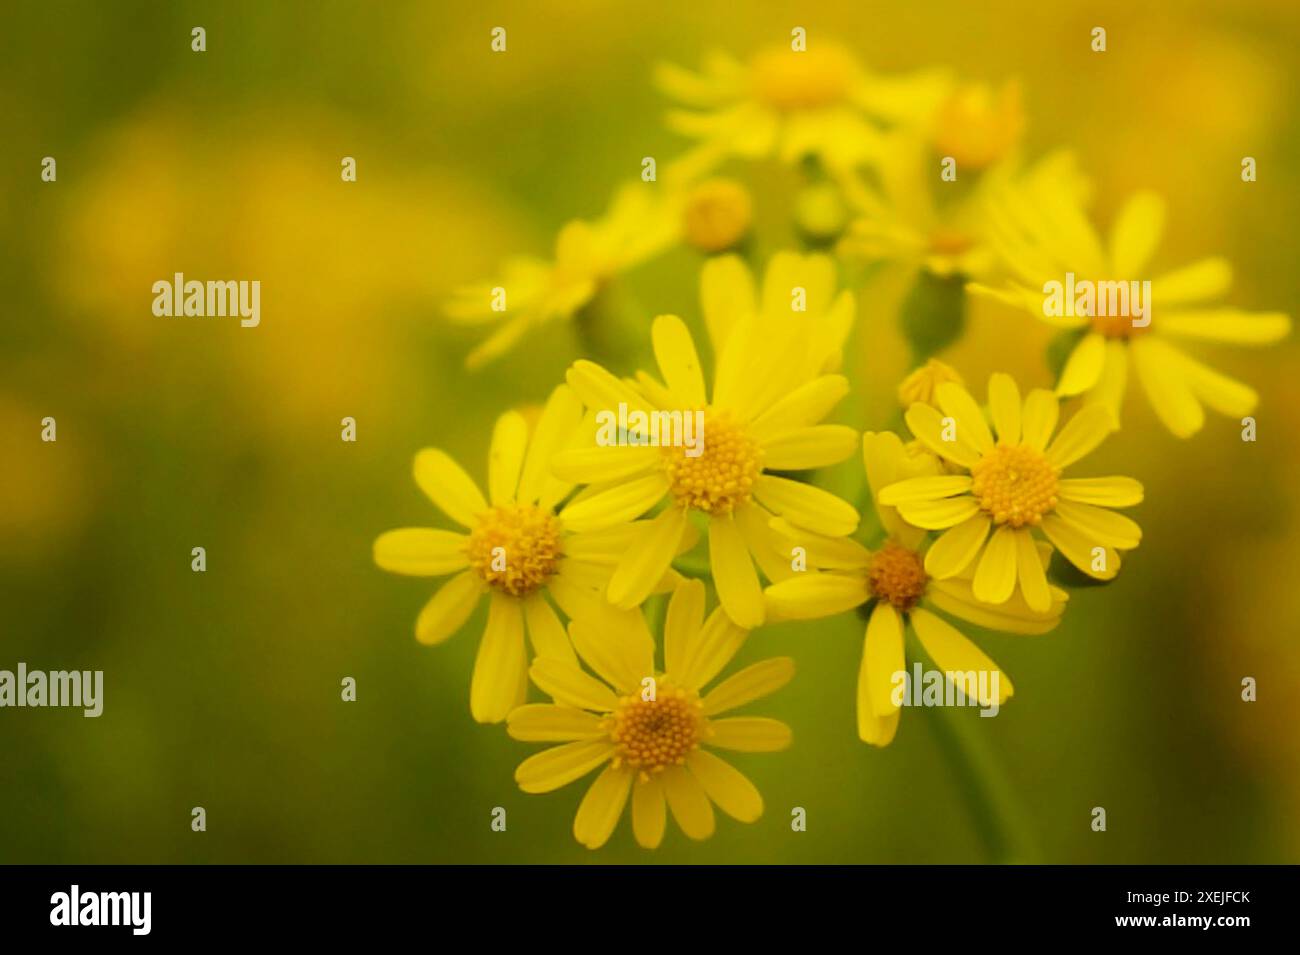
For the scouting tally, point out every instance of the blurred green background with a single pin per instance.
(222, 689)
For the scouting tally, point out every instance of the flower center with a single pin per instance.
(722, 475)
(788, 80)
(516, 548)
(1015, 484)
(977, 127)
(1116, 326)
(897, 575)
(652, 735)
(949, 241)
(717, 215)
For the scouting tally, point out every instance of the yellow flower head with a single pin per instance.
(791, 104)
(1064, 275)
(921, 383)
(651, 729)
(977, 126)
(1006, 487)
(894, 582)
(532, 292)
(668, 441)
(717, 215)
(516, 551)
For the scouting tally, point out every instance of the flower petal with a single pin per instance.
(570, 686)
(925, 489)
(1198, 282)
(448, 486)
(995, 577)
(805, 448)
(938, 515)
(1088, 428)
(1078, 548)
(928, 425)
(749, 734)
(1029, 569)
(421, 551)
(711, 649)
(556, 426)
(1084, 366)
(649, 812)
(500, 665)
(1159, 370)
(623, 502)
(1136, 233)
(1039, 420)
(615, 462)
(545, 630)
(548, 723)
(1108, 528)
(739, 590)
(1103, 491)
(600, 809)
(1004, 407)
(506, 457)
(957, 547)
(678, 362)
(958, 404)
(558, 766)
(806, 506)
(649, 555)
(725, 785)
(1228, 325)
(882, 656)
(752, 683)
(448, 609)
(953, 652)
(689, 803)
(806, 405)
(810, 595)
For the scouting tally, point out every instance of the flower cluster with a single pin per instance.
(981, 510)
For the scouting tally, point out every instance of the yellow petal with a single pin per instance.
(928, 425)
(449, 487)
(615, 462)
(1225, 395)
(600, 808)
(1109, 389)
(1088, 428)
(1039, 420)
(506, 457)
(806, 448)
(955, 597)
(1004, 407)
(600, 390)
(617, 646)
(552, 768)
(689, 803)
(952, 652)
(548, 723)
(958, 404)
(1084, 366)
(749, 734)
(726, 296)
(568, 685)
(558, 422)
(1227, 325)
(649, 555)
(1029, 569)
(957, 547)
(449, 608)
(925, 489)
(680, 365)
(500, 665)
(649, 812)
(1103, 491)
(616, 505)
(739, 590)
(725, 785)
(806, 506)
(995, 577)
(1160, 372)
(806, 405)
(1103, 526)
(883, 657)
(546, 631)
(938, 515)
(711, 649)
(752, 683)
(682, 623)
(421, 551)
(1136, 233)
(1078, 548)
(810, 595)
(1198, 282)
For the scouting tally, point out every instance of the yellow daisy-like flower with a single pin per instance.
(791, 104)
(1009, 487)
(517, 552)
(648, 727)
(770, 392)
(1042, 236)
(893, 581)
(531, 292)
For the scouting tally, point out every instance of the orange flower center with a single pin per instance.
(1015, 484)
(655, 734)
(897, 575)
(721, 477)
(516, 548)
(787, 80)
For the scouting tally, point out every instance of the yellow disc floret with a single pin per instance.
(721, 476)
(654, 734)
(790, 80)
(897, 575)
(1015, 484)
(515, 548)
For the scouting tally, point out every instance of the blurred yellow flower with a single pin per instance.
(529, 292)
(921, 383)
(1012, 486)
(517, 552)
(893, 579)
(1044, 237)
(978, 126)
(717, 214)
(791, 104)
(648, 726)
(770, 392)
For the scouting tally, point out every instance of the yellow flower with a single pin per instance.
(531, 292)
(892, 578)
(770, 392)
(977, 126)
(648, 726)
(517, 552)
(791, 104)
(920, 384)
(717, 214)
(1012, 486)
(1042, 236)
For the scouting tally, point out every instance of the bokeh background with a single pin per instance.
(222, 689)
